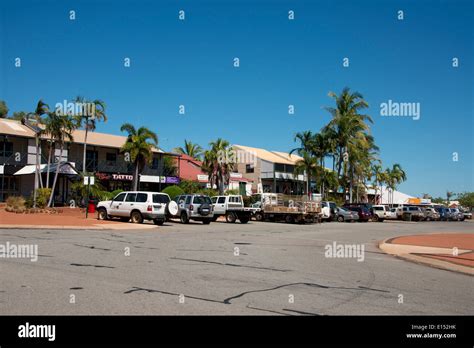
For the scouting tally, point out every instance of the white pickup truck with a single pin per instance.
(232, 207)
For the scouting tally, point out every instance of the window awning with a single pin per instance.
(65, 168)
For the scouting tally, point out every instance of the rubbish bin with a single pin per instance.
(91, 207)
(406, 216)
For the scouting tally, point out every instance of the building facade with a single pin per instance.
(270, 171)
(103, 159)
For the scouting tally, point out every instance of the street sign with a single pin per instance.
(89, 180)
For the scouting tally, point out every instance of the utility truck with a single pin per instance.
(288, 208)
(232, 207)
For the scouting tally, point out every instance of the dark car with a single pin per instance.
(444, 213)
(364, 213)
(366, 206)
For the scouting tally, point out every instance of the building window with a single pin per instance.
(279, 167)
(6, 149)
(111, 158)
(249, 168)
(91, 160)
(154, 163)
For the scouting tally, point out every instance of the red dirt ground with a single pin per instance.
(67, 217)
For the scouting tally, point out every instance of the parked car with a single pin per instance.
(194, 207)
(467, 214)
(135, 206)
(412, 213)
(364, 213)
(444, 213)
(430, 214)
(379, 212)
(391, 214)
(328, 211)
(232, 207)
(344, 214)
(456, 214)
(366, 206)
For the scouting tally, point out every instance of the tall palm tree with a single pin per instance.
(308, 165)
(52, 127)
(218, 163)
(89, 121)
(190, 149)
(140, 143)
(348, 127)
(64, 125)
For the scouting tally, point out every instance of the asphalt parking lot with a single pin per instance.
(257, 268)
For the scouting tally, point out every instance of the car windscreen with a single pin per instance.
(160, 199)
(201, 200)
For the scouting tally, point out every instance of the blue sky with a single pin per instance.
(282, 62)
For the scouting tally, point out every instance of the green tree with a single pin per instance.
(88, 119)
(3, 109)
(466, 200)
(62, 132)
(139, 145)
(218, 163)
(190, 149)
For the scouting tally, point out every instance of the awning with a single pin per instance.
(65, 168)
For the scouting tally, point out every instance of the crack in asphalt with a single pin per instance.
(301, 312)
(87, 265)
(135, 289)
(232, 264)
(229, 300)
(268, 310)
(91, 247)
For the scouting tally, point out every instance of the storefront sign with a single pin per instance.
(122, 177)
(172, 180)
(202, 177)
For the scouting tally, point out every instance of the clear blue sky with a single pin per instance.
(282, 62)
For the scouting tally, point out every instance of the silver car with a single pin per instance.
(194, 207)
(343, 214)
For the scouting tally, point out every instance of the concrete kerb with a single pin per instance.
(411, 253)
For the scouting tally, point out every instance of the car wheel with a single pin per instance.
(340, 218)
(184, 218)
(102, 214)
(230, 217)
(159, 222)
(259, 216)
(136, 217)
(375, 218)
(244, 220)
(289, 219)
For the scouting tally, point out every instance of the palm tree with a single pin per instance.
(190, 149)
(218, 163)
(307, 165)
(394, 176)
(52, 127)
(60, 132)
(89, 121)
(140, 144)
(348, 130)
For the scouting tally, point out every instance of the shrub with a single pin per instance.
(42, 197)
(15, 204)
(173, 191)
(232, 192)
(190, 186)
(208, 192)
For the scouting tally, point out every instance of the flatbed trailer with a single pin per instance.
(291, 209)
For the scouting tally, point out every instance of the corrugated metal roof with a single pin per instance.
(270, 156)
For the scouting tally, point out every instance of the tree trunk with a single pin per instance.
(51, 146)
(84, 152)
(56, 175)
(135, 179)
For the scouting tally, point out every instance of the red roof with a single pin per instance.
(190, 168)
